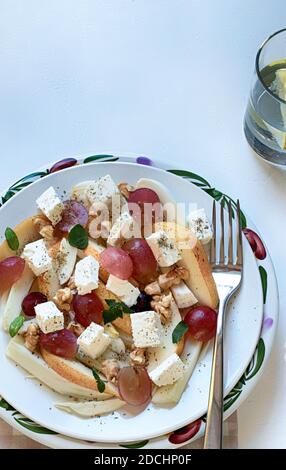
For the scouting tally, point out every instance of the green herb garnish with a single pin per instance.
(179, 331)
(116, 310)
(12, 239)
(15, 325)
(99, 381)
(78, 237)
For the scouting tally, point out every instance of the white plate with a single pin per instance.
(242, 330)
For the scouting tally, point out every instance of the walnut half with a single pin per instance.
(32, 336)
(76, 328)
(137, 357)
(110, 368)
(162, 305)
(173, 277)
(125, 189)
(63, 299)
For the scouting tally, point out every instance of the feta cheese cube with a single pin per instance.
(50, 204)
(93, 341)
(86, 275)
(122, 230)
(49, 317)
(168, 372)
(37, 257)
(146, 329)
(163, 248)
(200, 225)
(183, 295)
(123, 289)
(66, 259)
(102, 190)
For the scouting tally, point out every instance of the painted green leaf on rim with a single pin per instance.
(230, 402)
(260, 354)
(36, 174)
(213, 192)
(263, 275)
(191, 176)
(105, 158)
(5, 405)
(31, 426)
(135, 445)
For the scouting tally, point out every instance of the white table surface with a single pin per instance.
(163, 78)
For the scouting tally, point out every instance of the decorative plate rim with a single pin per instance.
(252, 373)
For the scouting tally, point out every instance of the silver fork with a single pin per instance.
(227, 272)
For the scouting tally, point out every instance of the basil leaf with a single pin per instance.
(99, 381)
(118, 305)
(12, 239)
(179, 331)
(78, 237)
(16, 325)
(111, 315)
(116, 310)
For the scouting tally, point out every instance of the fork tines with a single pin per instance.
(219, 256)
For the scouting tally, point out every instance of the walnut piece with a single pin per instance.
(125, 189)
(47, 232)
(63, 299)
(153, 288)
(110, 368)
(32, 336)
(173, 277)
(137, 357)
(40, 221)
(76, 328)
(162, 305)
(71, 284)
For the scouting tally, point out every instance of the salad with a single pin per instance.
(107, 295)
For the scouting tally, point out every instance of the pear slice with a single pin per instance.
(88, 409)
(76, 372)
(194, 259)
(48, 282)
(38, 368)
(13, 305)
(171, 394)
(26, 233)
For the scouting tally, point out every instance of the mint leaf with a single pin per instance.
(12, 239)
(116, 310)
(99, 381)
(15, 325)
(179, 331)
(78, 237)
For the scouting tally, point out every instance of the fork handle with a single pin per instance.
(213, 432)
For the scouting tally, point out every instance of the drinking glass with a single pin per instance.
(265, 117)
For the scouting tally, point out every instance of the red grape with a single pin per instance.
(11, 269)
(201, 322)
(61, 343)
(135, 386)
(30, 301)
(144, 197)
(144, 262)
(88, 308)
(117, 262)
(74, 213)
